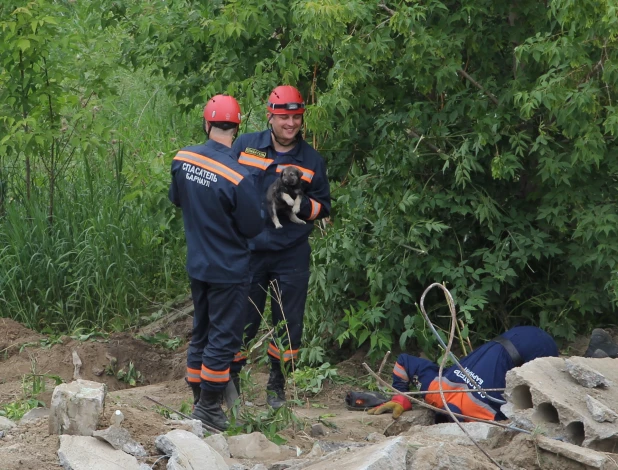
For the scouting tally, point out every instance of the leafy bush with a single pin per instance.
(471, 145)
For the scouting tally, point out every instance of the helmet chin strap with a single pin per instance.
(272, 132)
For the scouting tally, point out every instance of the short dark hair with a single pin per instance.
(224, 125)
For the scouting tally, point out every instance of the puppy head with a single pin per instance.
(291, 175)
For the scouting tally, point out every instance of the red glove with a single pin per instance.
(397, 405)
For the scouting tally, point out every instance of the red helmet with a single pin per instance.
(222, 108)
(286, 99)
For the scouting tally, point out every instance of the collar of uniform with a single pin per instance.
(214, 145)
(265, 141)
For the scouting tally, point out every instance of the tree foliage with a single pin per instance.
(467, 142)
(470, 143)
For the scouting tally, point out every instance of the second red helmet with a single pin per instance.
(222, 108)
(286, 99)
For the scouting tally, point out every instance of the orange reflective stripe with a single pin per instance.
(400, 372)
(287, 355)
(307, 174)
(193, 375)
(210, 165)
(273, 351)
(239, 356)
(316, 207)
(252, 160)
(466, 402)
(290, 354)
(215, 375)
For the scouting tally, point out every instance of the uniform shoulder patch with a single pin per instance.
(257, 153)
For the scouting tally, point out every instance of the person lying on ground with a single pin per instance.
(486, 366)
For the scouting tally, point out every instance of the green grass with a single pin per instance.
(116, 247)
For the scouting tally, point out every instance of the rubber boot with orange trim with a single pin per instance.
(208, 410)
(275, 389)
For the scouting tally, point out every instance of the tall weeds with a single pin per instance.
(116, 245)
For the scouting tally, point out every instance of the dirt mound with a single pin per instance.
(102, 361)
(13, 335)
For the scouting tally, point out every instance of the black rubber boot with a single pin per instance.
(208, 410)
(601, 340)
(197, 391)
(275, 389)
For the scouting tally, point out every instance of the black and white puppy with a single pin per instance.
(285, 195)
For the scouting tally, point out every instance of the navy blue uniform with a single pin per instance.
(487, 365)
(220, 210)
(281, 256)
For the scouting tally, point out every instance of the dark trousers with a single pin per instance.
(285, 274)
(218, 324)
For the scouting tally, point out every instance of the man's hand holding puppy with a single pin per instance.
(285, 195)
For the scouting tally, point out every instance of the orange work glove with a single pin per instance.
(397, 405)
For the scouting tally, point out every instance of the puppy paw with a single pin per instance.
(278, 225)
(296, 209)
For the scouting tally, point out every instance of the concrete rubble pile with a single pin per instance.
(568, 406)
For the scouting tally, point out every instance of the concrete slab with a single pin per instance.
(86, 453)
(387, 455)
(542, 393)
(253, 446)
(189, 452)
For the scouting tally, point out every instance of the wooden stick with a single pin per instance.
(388, 353)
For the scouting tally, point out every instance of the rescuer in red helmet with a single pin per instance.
(221, 210)
(280, 257)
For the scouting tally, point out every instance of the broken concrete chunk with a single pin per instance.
(541, 393)
(34, 415)
(387, 455)
(330, 446)
(77, 365)
(218, 442)
(586, 457)
(259, 466)
(600, 413)
(191, 425)
(478, 431)
(120, 439)
(188, 452)
(238, 466)
(585, 375)
(86, 453)
(292, 464)
(448, 456)
(76, 408)
(6, 424)
(519, 418)
(253, 446)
